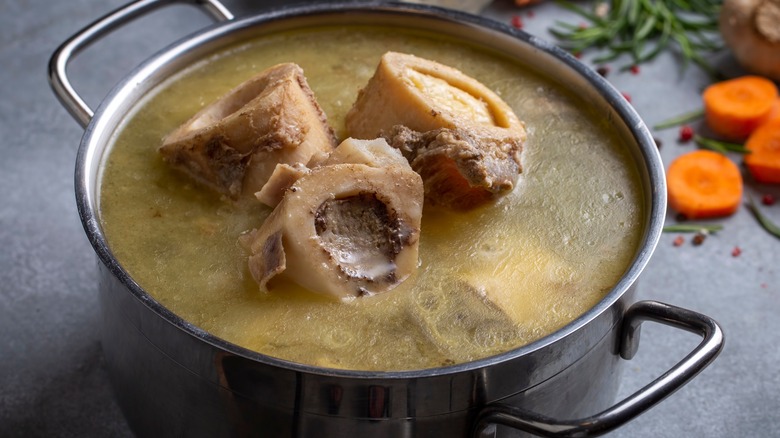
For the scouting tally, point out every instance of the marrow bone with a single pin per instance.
(465, 139)
(347, 228)
(234, 144)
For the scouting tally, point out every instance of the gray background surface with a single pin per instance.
(52, 377)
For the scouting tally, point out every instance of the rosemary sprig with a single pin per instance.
(641, 29)
(719, 146)
(680, 120)
(692, 228)
(767, 224)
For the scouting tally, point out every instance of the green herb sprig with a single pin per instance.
(767, 224)
(692, 228)
(680, 120)
(720, 146)
(642, 29)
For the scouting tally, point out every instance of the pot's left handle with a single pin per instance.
(58, 77)
(635, 404)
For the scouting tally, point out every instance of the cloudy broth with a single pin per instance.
(548, 251)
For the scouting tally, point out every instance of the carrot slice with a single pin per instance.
(763, 161)
(774, 114)
(704, 184)
(734, 108)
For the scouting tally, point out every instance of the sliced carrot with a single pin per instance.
(734, 108)
(704, 184)
(763, 161)
(774, 114)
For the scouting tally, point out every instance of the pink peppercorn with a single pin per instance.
(736, 251)
(686, 133)
(768, 199)
(635, 69)
(517, 22)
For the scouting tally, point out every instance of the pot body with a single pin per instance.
(171, 383)
(173, 379)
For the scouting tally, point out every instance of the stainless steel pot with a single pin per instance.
(173, 379)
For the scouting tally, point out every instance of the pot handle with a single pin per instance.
(637, 403)
(58, 77)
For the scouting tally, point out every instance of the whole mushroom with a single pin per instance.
(751, 28)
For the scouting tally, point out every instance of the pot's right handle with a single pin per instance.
(58, 77)
(640, 401)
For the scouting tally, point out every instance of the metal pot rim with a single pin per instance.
(104, 122)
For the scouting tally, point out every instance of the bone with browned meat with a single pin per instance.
(234, 144)
(459, 135)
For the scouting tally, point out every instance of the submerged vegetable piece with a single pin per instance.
(458, 170)
(544, 267)
(348, 228)
(475, 306)
(763, 161)
(234, 144)
(736, 107)
(704, 184)
(423, 96)
(456, 321)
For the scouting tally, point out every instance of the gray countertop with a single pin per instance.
(53, 381)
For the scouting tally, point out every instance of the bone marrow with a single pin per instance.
(362, 235)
